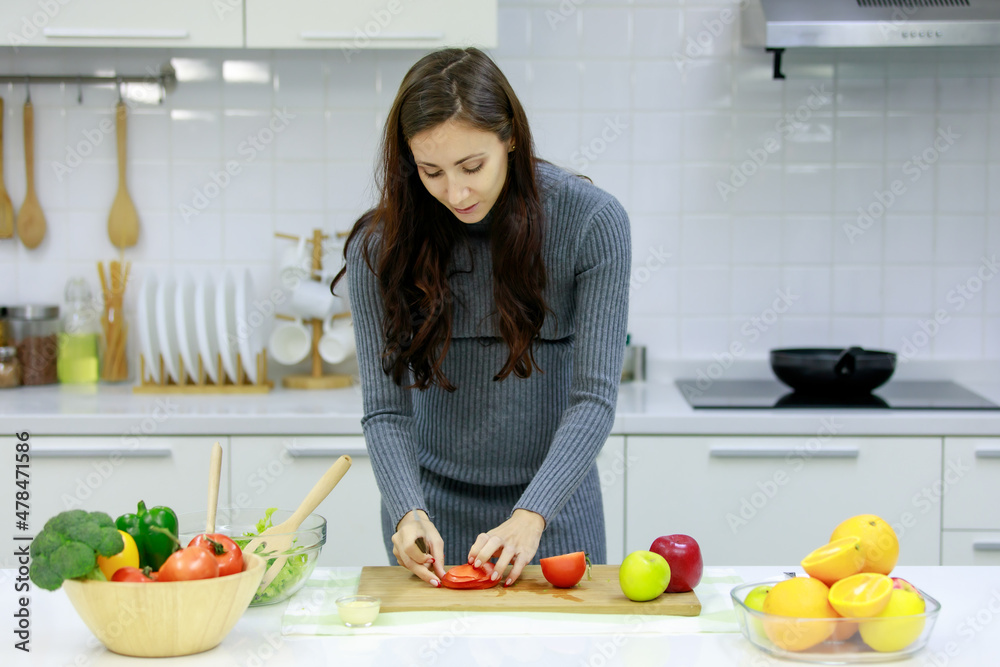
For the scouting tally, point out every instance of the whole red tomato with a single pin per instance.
(564, 571)
(226, 552)
(132, 574)
(188, 564)
(684, 557)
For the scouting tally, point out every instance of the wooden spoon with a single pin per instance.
(278, 539)
(123, 221)
(30, 219)
(6, 208)
(214, 471)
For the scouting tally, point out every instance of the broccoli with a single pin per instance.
(68, 546)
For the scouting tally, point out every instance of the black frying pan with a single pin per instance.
(833, 370)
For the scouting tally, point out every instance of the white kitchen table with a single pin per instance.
(967, 634)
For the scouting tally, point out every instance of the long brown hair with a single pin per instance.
(416, 233)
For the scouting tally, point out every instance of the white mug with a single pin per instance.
(290, 342)
(295, 265)
(337, 343)
(312, 299)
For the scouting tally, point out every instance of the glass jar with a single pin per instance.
(10, 367)
(3, 326)
(78, 362)
(34, 331)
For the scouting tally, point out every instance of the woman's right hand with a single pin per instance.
(412, 527)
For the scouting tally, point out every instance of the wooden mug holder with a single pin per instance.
(203, 384)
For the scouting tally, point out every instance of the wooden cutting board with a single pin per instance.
(400, 590)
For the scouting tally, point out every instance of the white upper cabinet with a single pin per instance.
(353, 25)
(124, 23)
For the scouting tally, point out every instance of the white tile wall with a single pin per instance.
(835, 186)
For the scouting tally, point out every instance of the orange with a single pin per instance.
(805, 601)
(879, 544)
(844, 631)
(834, 561)
(861, 595)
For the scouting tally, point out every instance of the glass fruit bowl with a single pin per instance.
(834, 641)
(240, 523)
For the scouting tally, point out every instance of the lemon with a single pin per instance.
(861, 595)
(836, 560)
(893, 631)
(805, 601)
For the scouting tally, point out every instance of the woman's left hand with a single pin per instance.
(515, 540)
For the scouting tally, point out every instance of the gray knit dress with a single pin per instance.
(471, 457)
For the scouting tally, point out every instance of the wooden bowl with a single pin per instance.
(162, 619)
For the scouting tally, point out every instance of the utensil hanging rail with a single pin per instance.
(166, 78)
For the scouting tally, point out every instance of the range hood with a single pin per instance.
(780, 24)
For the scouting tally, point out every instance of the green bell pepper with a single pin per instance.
(155, 533)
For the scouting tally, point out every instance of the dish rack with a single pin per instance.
(316, 379)
(204, 385)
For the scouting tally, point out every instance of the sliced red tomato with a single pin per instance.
(188, 564)
(132, 574)
(466, 577)
(565, 571)
(226, 552)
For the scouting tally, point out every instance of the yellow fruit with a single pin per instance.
(804, 599)
(894, 631)
(861, 595)
(836, 560)
(879, 544)
(127, 557)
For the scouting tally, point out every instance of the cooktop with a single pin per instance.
(903, 395)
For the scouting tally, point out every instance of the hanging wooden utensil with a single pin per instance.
(6, 208)
(123, 222)
(30, 219)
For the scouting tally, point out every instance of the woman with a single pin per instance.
(489, 291)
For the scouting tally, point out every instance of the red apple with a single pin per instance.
(903, 584)
(684, 556)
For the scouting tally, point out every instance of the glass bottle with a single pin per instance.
(10, 367)
(78, 359)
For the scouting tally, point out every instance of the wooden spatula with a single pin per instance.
(6, 208)
(123, 221)
(30, 219)
(214, 472)
(278, 539)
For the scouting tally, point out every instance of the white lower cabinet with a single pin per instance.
(962, 547)
(772, 500)
(279, 472)
(612, 464)
(971, 483)
(112, 474)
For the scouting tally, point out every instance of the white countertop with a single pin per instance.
(965, 636)
(652, 407)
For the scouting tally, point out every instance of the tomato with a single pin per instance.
(188, 564)
(466, 576)
(565, 571)
(127, 557)
(226, 552)
(133, 574)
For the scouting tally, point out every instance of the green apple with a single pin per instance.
(755, 600)
(644, 575)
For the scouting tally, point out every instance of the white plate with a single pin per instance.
(204, 321)
(166, 331)
(187, 335)
(225, 323)
(248, 329)
(148, 341)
